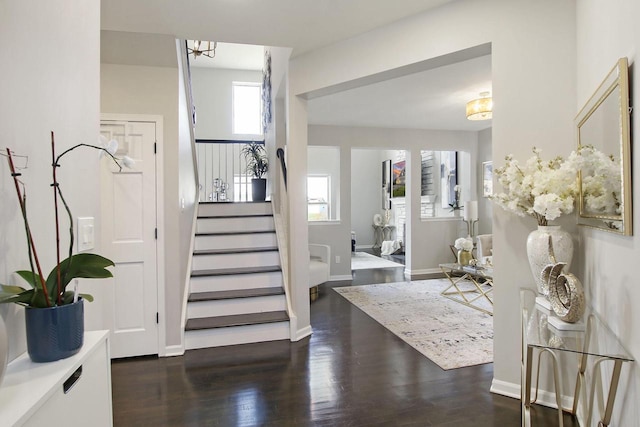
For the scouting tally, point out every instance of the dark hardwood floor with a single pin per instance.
(350, 372)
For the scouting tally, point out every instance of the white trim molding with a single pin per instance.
(159, 209)
(302, 333)
(173, 350)
(410, 273)
(339, 278)
(545, 398)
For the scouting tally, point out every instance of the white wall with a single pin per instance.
(213, 98)
(485, 206)
(607, 31)
(56, 89)
(127, 89)
(525, 59)
(366, 193)
(187, 205)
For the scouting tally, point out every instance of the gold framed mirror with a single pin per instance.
(604, 145)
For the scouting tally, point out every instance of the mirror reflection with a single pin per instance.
(604, 144)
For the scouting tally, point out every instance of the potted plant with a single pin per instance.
(54, 316)
(257, 165)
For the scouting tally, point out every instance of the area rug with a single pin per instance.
(452, 335)
(363, 261)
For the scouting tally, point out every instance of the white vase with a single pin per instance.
(4, 349)
(539, 254)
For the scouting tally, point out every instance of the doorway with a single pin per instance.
(129, 212)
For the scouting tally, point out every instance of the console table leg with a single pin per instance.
(526, 398)
(613, 387)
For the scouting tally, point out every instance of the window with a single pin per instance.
(318, 195)
(323, 183)
(247, 108)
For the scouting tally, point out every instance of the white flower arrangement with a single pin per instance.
(601, 180)
(542, 189)
(464, 243)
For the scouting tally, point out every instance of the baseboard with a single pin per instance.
(504, 388)
(364, 247)
(545, 398)
(173, 350)
(302, 333)
(410, 273)
(341, 277)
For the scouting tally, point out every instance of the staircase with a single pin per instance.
(236, 289)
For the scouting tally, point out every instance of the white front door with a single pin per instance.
(129, 238)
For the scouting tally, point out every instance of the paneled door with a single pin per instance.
(129, 238)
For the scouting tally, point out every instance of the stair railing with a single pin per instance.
(222, 170)
(280, 202)
(280, 155)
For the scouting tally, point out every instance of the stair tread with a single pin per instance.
(235, 293)
(232, 233)
(247, 215)
(239, 270)
(233, 203)
(234, 250)
(236, 320)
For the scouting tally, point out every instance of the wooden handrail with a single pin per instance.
(280, 155)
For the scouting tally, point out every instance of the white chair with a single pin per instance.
(484, 247)
(319, 267)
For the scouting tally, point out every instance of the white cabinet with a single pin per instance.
(72, 392)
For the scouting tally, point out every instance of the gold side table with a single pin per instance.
(481, 289)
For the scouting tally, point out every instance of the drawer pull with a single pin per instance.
(72, 380)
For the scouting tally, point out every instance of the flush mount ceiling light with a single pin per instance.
(481, 108)
(199, 49)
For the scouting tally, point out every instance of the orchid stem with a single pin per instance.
(27, 228)
(54, 165)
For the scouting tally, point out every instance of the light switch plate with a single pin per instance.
(85, 234)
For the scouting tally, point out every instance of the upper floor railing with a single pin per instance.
(222, 170)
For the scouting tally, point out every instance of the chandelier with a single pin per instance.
(481, 108)
(199, 49)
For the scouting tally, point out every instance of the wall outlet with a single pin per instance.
(337, 259)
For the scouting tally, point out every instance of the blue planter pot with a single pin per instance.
(54, 333)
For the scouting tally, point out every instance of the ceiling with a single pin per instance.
(233, 56)
(303, 25)
(433, 99)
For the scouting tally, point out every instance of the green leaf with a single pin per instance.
(31, 278)
(15, 294)
(38, 300)
(87, 297)
(10, 289)
(68, 297)
(86, 266)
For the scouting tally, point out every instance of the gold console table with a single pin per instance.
(591, 341)
(479, 286)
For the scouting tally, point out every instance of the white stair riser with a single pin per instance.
(260, 240)
(236, 335)
(236, 281)
(235, 306)
(222, 209)
(252, 259)
(222, 225)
